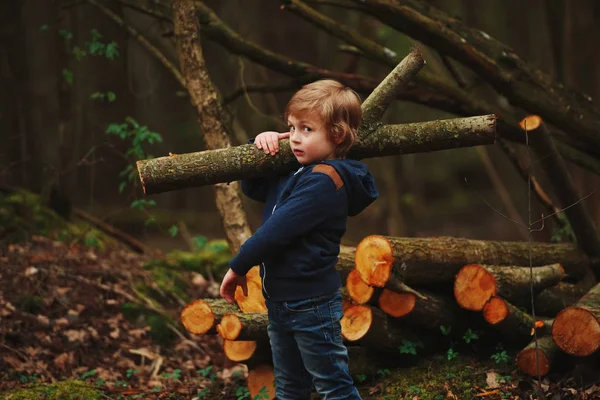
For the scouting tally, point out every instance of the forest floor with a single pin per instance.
(67, 331)
(84, 317)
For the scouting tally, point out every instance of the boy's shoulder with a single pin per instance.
(331, 172)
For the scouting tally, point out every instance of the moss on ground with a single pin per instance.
(432, 379)
(64, 390)
(23, 214)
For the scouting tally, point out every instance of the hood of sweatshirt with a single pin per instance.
(359, 183)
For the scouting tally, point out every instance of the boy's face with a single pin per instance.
(309, 139)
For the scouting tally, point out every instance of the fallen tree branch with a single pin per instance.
(520, 82)
(246, 161)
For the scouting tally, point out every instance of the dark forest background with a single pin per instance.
(57, 103)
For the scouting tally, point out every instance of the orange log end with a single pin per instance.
(374, 259)
(254, 275)
(260, 377)
(576, 331)
(359, 291)
(230, 327)
(531, 122)
(526, 361)
(473, 287)
(356, 322)
(197, 317)
(239, 350)
(495, 310)
(397, 304)
(255, 302)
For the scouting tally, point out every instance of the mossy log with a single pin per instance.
(475, 283)
(513, 322)
(576, 329)
(548, 354)
(438, 259)
(552, 300)
(209, 312)
(208, 167)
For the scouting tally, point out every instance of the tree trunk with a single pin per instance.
(371, 327)
(210, 115)
(475, 284)
(547, 356)
(42, 100)
(576, 329)
(438, 259)
(181, 171)
(512, 322)
(197, 317)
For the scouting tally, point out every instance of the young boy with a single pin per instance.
(299, 241)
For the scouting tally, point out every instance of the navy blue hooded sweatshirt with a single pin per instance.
(304, 220)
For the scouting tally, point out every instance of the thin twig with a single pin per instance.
(143, 41)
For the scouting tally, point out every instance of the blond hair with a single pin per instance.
(337, 105)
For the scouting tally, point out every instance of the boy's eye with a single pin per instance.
(307, 129)
(291, 128)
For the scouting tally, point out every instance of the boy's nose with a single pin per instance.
(294, 137)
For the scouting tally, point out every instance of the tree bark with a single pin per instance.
(210, 116)
(42, 100)
(552, 300)
(246, 161)
(438, 259)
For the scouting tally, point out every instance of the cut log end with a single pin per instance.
(495, 310)
(254, 302)
(239, 350)
(259, 378)
(374, 260)
(526, 361)
(139, 168)
(473, 287)
(356, 322)
(397, 304)
(576, 331)
(197, 317)
(359, 291)
(531, 122)
(230, 327)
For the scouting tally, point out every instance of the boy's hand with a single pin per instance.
(269, 141)
(230, 282)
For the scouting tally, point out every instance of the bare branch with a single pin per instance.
(520, 82)
(149, 46)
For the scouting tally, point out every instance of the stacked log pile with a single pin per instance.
(394, 292)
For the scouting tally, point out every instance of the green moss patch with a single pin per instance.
(64, 390)
(434, 378)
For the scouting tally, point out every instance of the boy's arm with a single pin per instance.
(310, 204)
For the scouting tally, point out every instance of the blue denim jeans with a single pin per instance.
(306, 341)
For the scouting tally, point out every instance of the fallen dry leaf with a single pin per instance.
(491, 380)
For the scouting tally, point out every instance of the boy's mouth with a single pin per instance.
(298, 152)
